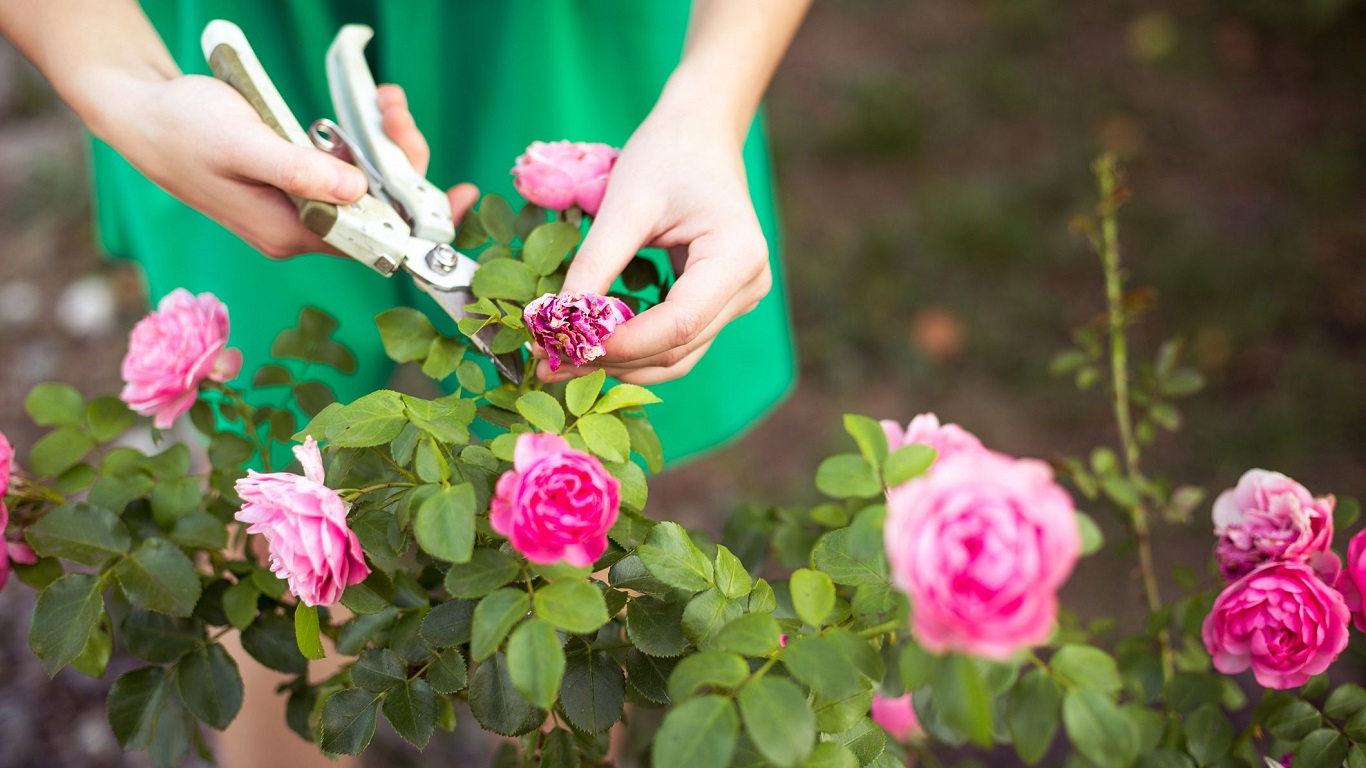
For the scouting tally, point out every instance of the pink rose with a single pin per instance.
(925, 429)
(1352, 581)
(6, 460)
(173, 349)
(10, 551)
(1269, 517)
(559, 174)
(556, 503)
(574, 327)
(304, 523)
(897, 716)
(1280, 619)
(981, 546)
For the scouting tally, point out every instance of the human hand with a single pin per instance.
(678, 184)
(198, 139)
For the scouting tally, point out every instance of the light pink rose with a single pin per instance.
(556, 503)
(981, 546)
(6, 460)
(1269, 517)
(173, 349)
(925, 429)
(1352, 581)
(304, 523)
(1280, 619)
(10, 551)
(558, 174)
(574, 327)
(897, 716)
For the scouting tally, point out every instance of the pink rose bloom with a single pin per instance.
(6, 460)
(10, 551)
(574, 327)
(925, 429)
(173, 349)
(304, 523)
(981, 546)
(1269, 517)
(1281, 620)
(559, 174)
(897, 716)
(556, 503)
(1352, 581)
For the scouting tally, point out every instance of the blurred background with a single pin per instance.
(930, 155)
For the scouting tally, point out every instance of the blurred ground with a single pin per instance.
(930, 155)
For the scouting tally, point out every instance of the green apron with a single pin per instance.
(484, 78)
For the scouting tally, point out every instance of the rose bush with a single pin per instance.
(491, 545)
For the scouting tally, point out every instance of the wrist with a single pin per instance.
(692, 97)
(111, 100)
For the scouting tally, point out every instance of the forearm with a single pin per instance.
(732, 50)
(89, 50)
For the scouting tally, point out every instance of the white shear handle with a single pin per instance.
(356, 102)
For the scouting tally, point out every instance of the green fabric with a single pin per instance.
(485, 78)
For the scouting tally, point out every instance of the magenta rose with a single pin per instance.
(559, 174)
(1281, 620)
(1352, 581)
(981, 546)
(896, 715)
(6, 461)
(1269, 517)
(304, 523)
(556, 503)
(173, 349)
(925, 429)
(574, 327)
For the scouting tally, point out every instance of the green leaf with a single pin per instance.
(306, 632)
(1188, 690)
(52, 404)
(373, 595)
(813, 595)
(1345, 700)
(79, 532)
(1087, 667)
(573, 606)
(446, 421)
(374, 419)
(754, 634)
(378, 670)
(159, 638)
(449, 623)
(645, 441)
(1166, 758)
(542, 411)
(348, 721)
(504, 279)
(159, 577)
(1098, 729)
(624, 396)
(1209, 734)
(963, 698)
(868, 434)
(634, 493)
(406, 333)
(536, 661)
(701, 732)
(655, 626)
(272, 375)
(1032, 714)
(108, 418)
(270, 640)
(778, 720)
(239, 603)
(580, 393)
(707, 612)
(547, 245)
(411, 709)
(175, 498)
(494, 701)
(822, 666)
(496, 218)
(1346, 512)
(63, 618)
(707, 668)
(559, 750)
(448, 671)
(843, 558)
(487, 570)
(1091, 537)
(210, 685)
(1294, 720)
(443, 356)
(761, 598)
(200, 530)
(1357, 757)
(59, 450)
(865, 740)
(1324, 748)
(907, 463)
(145, 714)
(494, 617)
(829, 754)
(606, 436)
(848, 476)
(99, 648)
(731, 577)
(445, 524)
(1356, 726)
(670, 556)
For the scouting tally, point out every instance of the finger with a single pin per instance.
(263, 157)
(462, 197)
(272, 224)
(400, 126)
(613, 240)
(658, 374)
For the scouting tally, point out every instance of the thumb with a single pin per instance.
(611, 243)
(303, 171)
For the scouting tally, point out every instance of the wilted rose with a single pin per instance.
(981, 546)
(172, 350)
(556, 503)
(925, 429)
(1352, 581)
(896, 715)
(574, 327)
(304, 523)
(1269, 517)
(1281, 620)
(558, 174)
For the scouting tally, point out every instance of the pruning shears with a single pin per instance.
(404, 222)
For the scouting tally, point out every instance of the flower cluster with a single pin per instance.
(574, 327)
(980, 543)
(560, 174)
(1283, 612)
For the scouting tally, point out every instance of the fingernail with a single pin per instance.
(350, 184)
